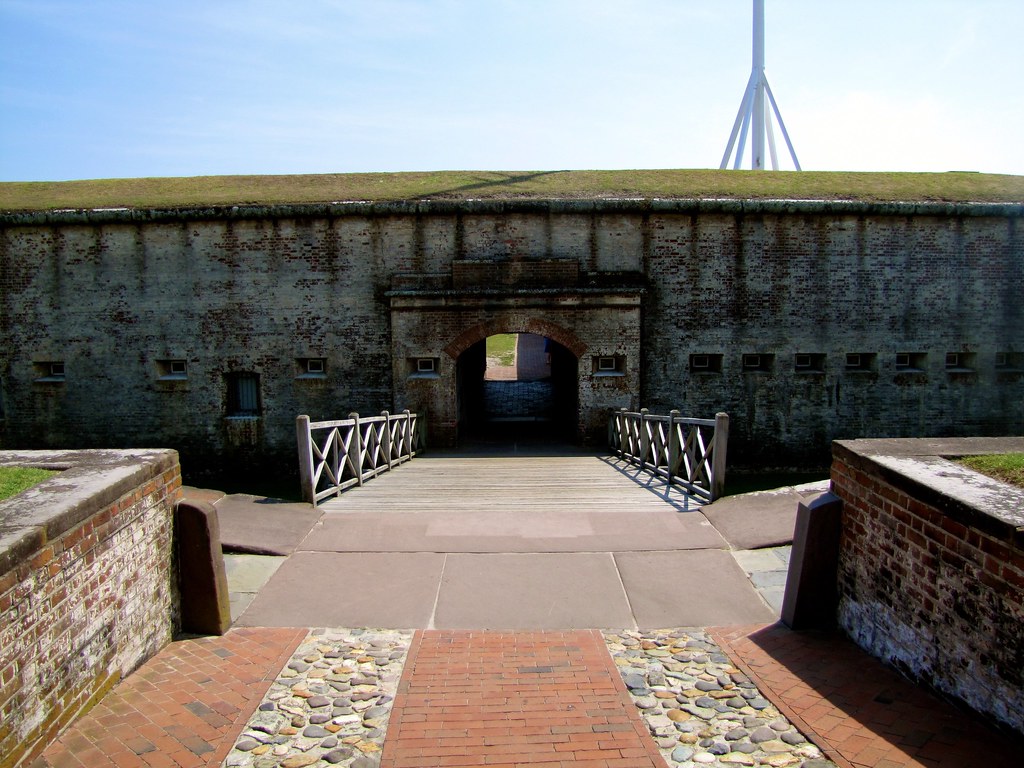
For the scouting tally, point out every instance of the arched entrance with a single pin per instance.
(438, 368)
(546, 380)
(516, 387)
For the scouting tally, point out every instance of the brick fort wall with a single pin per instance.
(210, 330)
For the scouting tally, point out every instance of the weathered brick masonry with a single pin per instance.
(805, 321)
(87, 586)
(931, 571)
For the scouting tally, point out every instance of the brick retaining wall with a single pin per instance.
(87, 586)
(931, 567)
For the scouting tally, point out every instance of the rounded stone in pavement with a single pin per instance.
(683, 668)
(295, 717)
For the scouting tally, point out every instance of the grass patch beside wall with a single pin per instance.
(1008, 467)
(14, 480)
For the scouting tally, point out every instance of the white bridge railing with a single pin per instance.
(686, 452)
(335, 455)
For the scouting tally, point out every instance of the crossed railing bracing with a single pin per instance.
(686, 452)
(335, 455)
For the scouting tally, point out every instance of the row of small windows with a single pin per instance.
(316, 367)
(176, 370)
(955, 362)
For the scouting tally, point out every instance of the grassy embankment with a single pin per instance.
(203, 191)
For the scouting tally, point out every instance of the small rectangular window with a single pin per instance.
(243, 394)
(424, 367)
(1009, 361)
(860, 361)
(702, 363)
(809, 363)
(911, 361)
(310, 367)
(959, 362)
(757, 363)
(172, 369)
(51, 371)
(608, 365)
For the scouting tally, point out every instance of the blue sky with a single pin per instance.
(128, 88)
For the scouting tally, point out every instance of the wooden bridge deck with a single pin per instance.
(513, 485)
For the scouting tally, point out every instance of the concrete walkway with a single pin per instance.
(512, 543)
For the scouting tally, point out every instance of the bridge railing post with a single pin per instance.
(721, 441)
(407, 450)
(304, 438)
(355, 448)
(388, 443)
(645, 438)
(673, 444)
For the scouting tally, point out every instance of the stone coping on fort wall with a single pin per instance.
(435, 207)
(924, 469)
(89, 480)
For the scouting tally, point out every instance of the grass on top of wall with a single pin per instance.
(14, 480)
(204, 191)
(1008, 467)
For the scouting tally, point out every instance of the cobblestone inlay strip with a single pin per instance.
(329, 705)
(700, 709)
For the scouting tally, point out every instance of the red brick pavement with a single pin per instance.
(505, 700)
(183, 708)
(860, 712)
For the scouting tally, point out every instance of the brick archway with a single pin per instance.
(536, 326)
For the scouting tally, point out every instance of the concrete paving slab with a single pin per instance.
(698, 588)
(248, 573)
(201, 494)
(756, 520)
(246, 576)
(262, 526)
(317, 589)
(767, 559)
(515, 531)
(531, 592)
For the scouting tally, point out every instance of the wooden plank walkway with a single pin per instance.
(512, 484)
